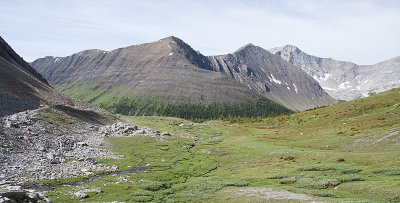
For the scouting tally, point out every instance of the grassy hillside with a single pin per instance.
(349, 152)
(137, 104)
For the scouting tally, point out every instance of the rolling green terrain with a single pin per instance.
(349, 152)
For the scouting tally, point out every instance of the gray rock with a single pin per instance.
(91, 160)
(81, 194)
(81, 144)
(92, 190)
(166, 134)
(50, 156)
(55, 161)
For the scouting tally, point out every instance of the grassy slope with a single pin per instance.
(121, 100)
(296, 152)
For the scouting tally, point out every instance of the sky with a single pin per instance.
(360, 31)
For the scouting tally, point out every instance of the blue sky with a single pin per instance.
(361, 31)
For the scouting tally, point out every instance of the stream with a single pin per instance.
(136, 169)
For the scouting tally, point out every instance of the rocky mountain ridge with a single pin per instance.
(8, 54)
(344, 80)
(22, 88)
(169, 70)
(269, 76)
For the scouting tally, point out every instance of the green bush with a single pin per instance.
(205, 189)
(342, 168)
(261, 107)
(282, 176)
(154, 185)
(388, 171)
(142, 198)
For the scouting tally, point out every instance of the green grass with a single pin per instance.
(341, 168)
(344, 153)
(388, 171)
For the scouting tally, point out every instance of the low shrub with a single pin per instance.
(388, 171)
(142, 198)
(342, 168)
(154, 186)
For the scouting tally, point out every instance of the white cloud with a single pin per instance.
(361, 31)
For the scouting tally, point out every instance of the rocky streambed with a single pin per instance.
(52, 143)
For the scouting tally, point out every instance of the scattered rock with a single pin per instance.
(81, 144)
(92, 190)
(50, 156)
(36, 148)
(81, 194)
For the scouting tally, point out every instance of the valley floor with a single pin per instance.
(344, 153)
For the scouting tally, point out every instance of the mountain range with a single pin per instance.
(170, 71)
(344, 80)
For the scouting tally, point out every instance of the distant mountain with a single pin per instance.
(272, 77)
(21, 87)
(344, 80)
(169, 71)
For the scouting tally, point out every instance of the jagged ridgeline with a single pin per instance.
(169, 78)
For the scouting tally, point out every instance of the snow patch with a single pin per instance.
(56, 60)
(326, 77)
(328, 88)
(344, 85)
(288, 88)
(172, 53)
(357, 88)
(315, 78)
(295, 88)
(275, 80)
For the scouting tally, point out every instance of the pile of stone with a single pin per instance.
(124, 129)
(34, 147)
(17, 194)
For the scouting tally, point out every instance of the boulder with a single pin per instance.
(81, 194)
(50, 156)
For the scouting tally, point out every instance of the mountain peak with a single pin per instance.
(171, 38)
(287, 48)
(248, 46)
(292, 48)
